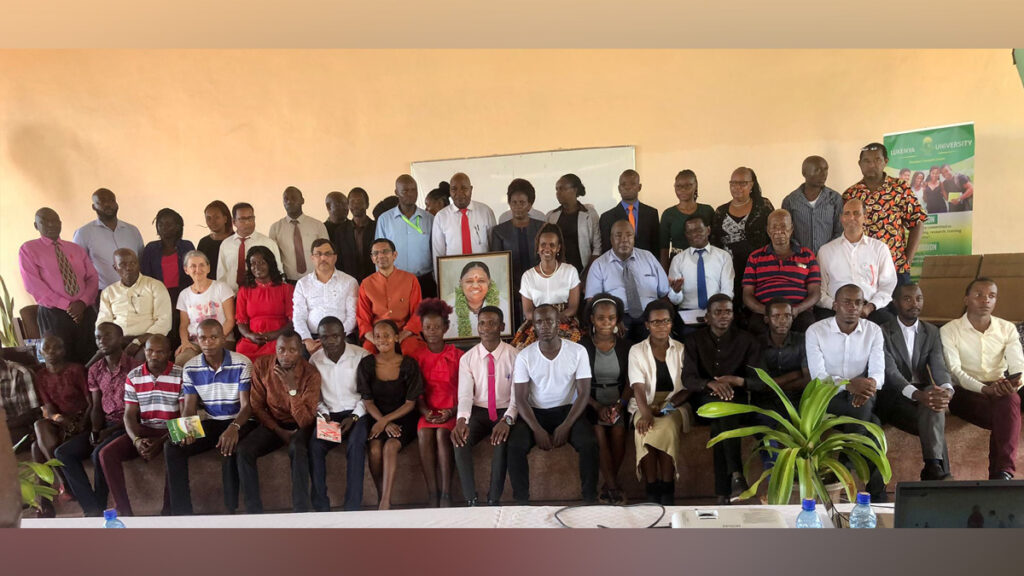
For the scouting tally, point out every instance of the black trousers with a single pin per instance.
(726, 454)
(480, 427)
(892, 407)
(842, 405)
(521, 440)
(176, 459)
(79, 339)
(428, 287)
(263, 441)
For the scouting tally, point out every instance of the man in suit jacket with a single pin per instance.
(917, 387)
(644, 218)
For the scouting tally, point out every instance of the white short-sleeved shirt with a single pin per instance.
(553, 290)
(552, 382)
(209, 304)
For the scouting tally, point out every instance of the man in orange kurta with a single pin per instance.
(389, 294)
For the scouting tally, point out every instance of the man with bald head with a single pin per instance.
(409, 227)
(337, 212)
(140, 305)
(782, 269)
(294, 234)
(815, 207)
(462, 227)
(101, 237)
(856, 258)
(643, 218)
(62, 279)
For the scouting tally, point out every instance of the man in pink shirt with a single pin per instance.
(62, 279)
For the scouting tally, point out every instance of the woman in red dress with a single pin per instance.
(439, 364)
(263, 308)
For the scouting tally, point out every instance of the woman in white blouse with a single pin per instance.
(552, 281)
(205, 298)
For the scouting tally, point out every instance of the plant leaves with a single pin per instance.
(843, 475)
(44, 472)
(794, 416)
(723, 409)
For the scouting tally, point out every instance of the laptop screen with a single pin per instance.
(962, 504)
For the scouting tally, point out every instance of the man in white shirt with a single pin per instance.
(339, 402)
(984, 357)
(696, 274)
(140, 305)
(917, 386)
(326, 292)
(856, 258)
(462, 227)
(847, 348)
(552, 387)
(294, 233)
(231, 261)
(487, 406)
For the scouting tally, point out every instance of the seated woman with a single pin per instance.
(163, 259)
(476, 289)
(609, 356)
(264, 305)
(554, 282)
(389, 385)
(655, 374)
(205, 298)
(439, 365)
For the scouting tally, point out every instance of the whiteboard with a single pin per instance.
(598, 169)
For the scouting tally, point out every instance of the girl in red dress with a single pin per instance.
(263, 308)
(439, 364)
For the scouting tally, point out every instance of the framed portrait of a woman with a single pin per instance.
(471, 282)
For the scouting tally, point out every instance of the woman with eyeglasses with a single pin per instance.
(741, 225)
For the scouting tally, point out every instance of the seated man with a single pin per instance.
(917, 386)
(106, 386)
(552, 386)
(782, 269)
(18, 398)
(220, 379)
(698, 272)
(983, 354)
(389, 294)
(856, 258)
(285, 393)
(633, 275)
(140, 305)
(784, 356)
(326, 292)
(151, 397)
(487, 406)
(716, 362)
(339, 402)
(847, 348)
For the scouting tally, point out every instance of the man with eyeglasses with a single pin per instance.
(140, 305)
(326, 292)
(231, 261)
(389, 294)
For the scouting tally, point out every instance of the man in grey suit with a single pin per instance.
(917, 386)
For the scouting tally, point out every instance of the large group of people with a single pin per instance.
(620, 319)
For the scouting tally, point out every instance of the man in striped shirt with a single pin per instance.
(151, 398)
(220, 378)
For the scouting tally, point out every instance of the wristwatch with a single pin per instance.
(509, 420)
(355, 417)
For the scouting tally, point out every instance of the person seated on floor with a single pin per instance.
(389, 384)
(337, 363)
(718, 367)
(106, 380)
(263, 308)
(609, 393)
(284, 397)
(140, 305)
(697, 272)
(487, 405)
(655, 376)
(439, 365)
(552, 387)
(850, 351)
(917, 386)
(856, 258)
(325, 292)
(152, 393)
(782, 269)
(983, 354)
(389, 294)
(205, 298)
(220, 379)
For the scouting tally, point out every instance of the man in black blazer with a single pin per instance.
(917, 387)
(646, 228)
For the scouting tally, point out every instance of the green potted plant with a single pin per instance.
(809, 446)
(36, 479)
(8, 335)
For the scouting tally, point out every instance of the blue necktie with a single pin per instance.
(702, 284)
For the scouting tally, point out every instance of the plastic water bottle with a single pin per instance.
(808, 517)
(862, 515)
(111, 520)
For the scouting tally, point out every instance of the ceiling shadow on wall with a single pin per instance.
(44, 155)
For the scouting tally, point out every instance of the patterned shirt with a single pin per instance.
(67, 391)
(17, 393)
(158, 397)
(111, 385)
(772, 277)
(890, 213)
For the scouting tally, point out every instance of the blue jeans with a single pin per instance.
(71, 453)
(355, 456)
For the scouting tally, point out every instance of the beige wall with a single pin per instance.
(179, 128)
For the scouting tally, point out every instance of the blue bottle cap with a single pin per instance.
(808, 504)
(109, 514)
(863, 498)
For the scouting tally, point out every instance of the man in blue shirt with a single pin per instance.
(408, 226)
(644, 218)
(103, 236)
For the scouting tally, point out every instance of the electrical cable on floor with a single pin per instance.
(590, 506)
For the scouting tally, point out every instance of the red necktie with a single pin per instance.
(240, 274)
(300, 253)
(492, 392)
(467, 241)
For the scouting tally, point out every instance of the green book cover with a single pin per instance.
(180, 428)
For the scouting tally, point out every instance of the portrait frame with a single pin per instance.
(450, 270)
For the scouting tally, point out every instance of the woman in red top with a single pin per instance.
(439, 364)
(263, 308)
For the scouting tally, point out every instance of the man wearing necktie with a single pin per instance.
(294, 234)
(696, 274)
(643, 218)
(462, 227)
(234, 248)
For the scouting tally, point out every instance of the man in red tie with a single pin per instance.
(231, 262)
(487, 407)
(642, 217)
(463, 226)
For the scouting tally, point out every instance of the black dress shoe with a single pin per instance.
(934, 471)
(1004, 475)
(493, 503)
(471, 503)
(722, 500)
(739, 486)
